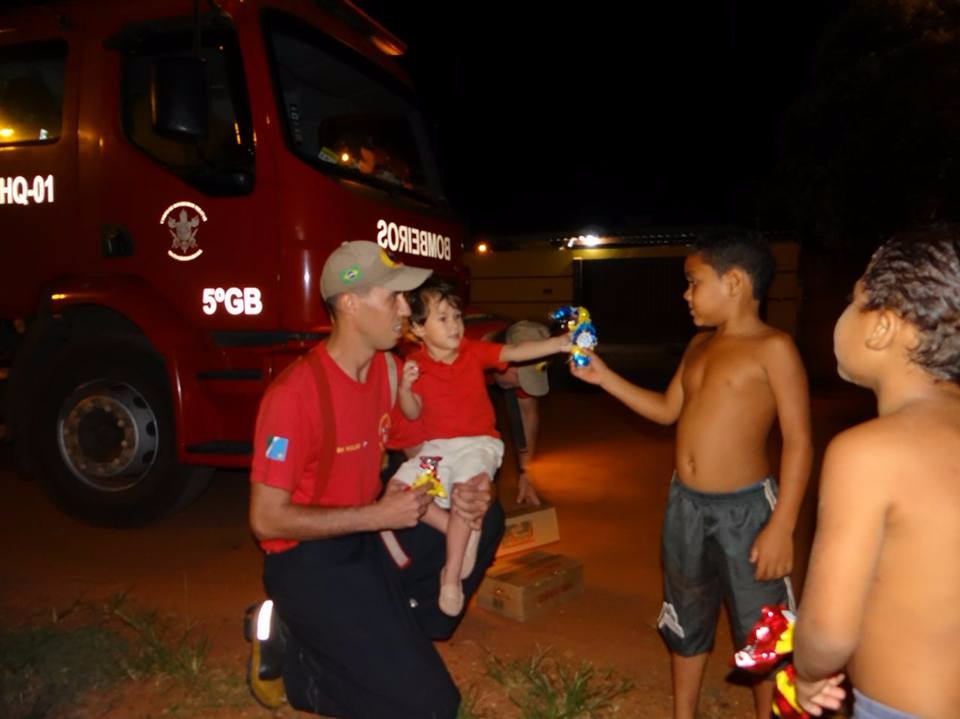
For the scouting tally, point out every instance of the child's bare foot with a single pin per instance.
(451, 599)
(470, 554)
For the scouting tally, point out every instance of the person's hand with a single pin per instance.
(815, 696)
(526, 494)
(400, 506)
(564, 342)
(772, 553)
(411, 373)
(471, 499)
(594, 373)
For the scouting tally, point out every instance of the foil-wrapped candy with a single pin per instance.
(583, 334)
(430, 477)
(769, 647)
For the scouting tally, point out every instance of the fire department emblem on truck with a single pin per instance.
(183, 227)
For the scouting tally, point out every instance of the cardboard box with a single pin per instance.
(529, 527)
(528, 585)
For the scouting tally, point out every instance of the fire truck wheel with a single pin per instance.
(106, 444)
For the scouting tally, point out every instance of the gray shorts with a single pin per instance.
(706, 560)
(866, 708)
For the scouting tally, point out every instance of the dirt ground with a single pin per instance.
(604, 469)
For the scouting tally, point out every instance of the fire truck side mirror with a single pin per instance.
(179, 98)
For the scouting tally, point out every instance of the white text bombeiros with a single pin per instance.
(412, 241)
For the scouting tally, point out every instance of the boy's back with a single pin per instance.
(729, 406)
(882, 596)
(905, 475)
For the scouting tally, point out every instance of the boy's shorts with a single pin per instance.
(866, 708)
(461, 459)
(705, 549)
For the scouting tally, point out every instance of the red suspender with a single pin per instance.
(328, 445)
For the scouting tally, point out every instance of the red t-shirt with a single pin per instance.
(455, 399)
(291, 430)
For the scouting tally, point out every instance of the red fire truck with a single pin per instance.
(172, 177)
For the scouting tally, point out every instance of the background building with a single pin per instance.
(632, 283)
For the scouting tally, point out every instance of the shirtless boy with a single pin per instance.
(725, 535)
(882, 596)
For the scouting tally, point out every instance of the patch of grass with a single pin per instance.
(48, 665)
(166, 648)
(216, 689)
(544, 688)
(162, 648)
(469, 703)
(45, 668)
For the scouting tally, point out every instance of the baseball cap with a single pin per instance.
(361, 264)
(532, 376)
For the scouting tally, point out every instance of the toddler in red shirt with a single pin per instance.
(443, 387)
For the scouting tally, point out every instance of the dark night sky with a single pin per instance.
(603, 117)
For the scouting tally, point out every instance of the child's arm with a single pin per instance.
(410, 403)
(857, 469)
(661, 407)
(772, 552)
(533, 349)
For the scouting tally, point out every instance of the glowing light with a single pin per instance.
(483, 248)
(582, 241)
(57, 296)
(345, 157)
(388, 46)
(263, 620)
(7, 132)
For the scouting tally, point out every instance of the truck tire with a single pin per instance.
(105, 435)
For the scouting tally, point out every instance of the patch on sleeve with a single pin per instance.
(668, 619)
(277, 448)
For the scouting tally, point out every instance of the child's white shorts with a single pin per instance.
(460, 459)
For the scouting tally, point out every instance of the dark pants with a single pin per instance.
(360, 629)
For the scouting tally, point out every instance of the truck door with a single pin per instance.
(38, 167)
(169, 249)
(182, 211)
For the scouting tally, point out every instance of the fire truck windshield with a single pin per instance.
(345, 115)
